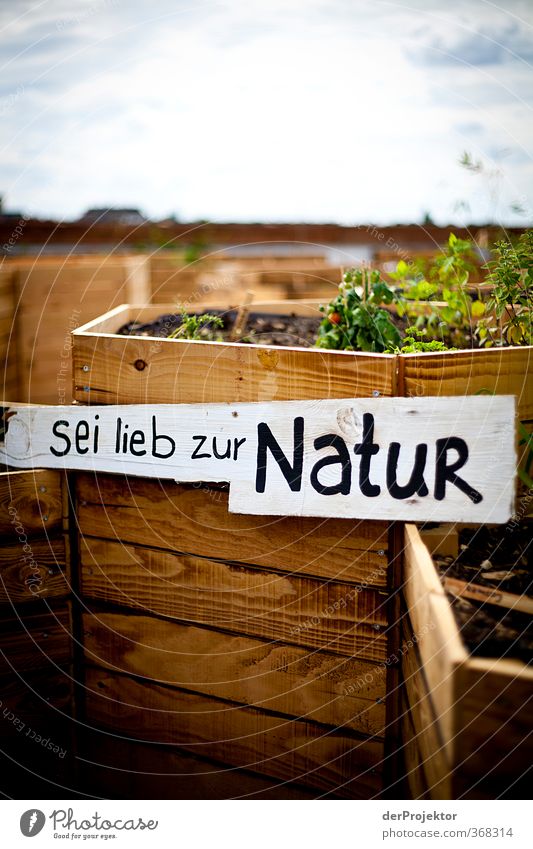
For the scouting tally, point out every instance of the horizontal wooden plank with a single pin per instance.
(26, 497)
(39, 572)
(294, 609)
(32, 639)
(493, 728)
(196, 520)
(229, 372)
(502, 371)
(286, 679)
(36, 734)
(112, 768)
(40, 701)
(235, 735)
(249, 446)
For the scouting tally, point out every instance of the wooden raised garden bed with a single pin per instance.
(245, 643)
(182, 599)
(466, 720)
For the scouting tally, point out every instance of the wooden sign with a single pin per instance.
(420, 459)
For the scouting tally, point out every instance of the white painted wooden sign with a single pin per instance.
(420, 459)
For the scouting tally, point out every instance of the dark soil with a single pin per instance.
(488, 629)
(260, 328)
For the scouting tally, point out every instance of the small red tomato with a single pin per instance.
(335, 318)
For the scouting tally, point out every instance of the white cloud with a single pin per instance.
(252, 111)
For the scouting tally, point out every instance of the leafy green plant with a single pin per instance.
(413, 343)
(355, 320)
(525, 472)
(443, 279)
(196, 326)
(511, 301)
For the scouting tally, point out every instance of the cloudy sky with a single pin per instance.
(251, 110)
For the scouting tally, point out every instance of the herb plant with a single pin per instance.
(196, 326)
(413, 343)
(355, 320)
(511, 302)
(445, 286)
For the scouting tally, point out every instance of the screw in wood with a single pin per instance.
(42, 489)
(375, 393)
(45, 518)
(85, 368)
(140, 365)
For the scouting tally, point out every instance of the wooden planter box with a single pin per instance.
(42, 300)
(163, 565)
(253, 642)
(36, 731)
(466, 721)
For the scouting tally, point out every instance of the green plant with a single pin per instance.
(511, 275)
(413, 343)
(196, 326)
(355, 320)
(445, 278)
(525, 472)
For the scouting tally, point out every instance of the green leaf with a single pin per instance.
(478, 308)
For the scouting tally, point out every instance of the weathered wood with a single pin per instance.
(29, 641)
(502, 371)
(40, 572)
(39, 701)
(443, 539)
(482, 706)
(112, 768)
(493, 728)
(52, 298)
(237, 443)
(428, 733)
(439, 642)
(414, 775)
(295, 609)
(196, 521)
(9, 378)
(235, 735)
(26, 497)
(179, 371)
(488, 595)
(286, 679)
